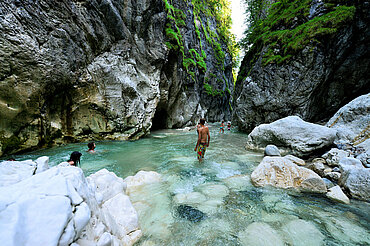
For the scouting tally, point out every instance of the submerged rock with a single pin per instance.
(303, 233)
(260, 234)
(299, 137)
(190, 213)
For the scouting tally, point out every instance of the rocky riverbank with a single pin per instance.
(59, 206)
(337, 155)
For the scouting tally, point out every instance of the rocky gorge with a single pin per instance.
(111, 69)
(102, 69)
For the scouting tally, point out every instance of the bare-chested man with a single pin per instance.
(203, 139)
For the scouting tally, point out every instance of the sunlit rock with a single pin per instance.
(282, 173)
(42, 164)
(260, 234)
(303, 233)
(335, 193)
(141, 178)
(12, 172)
(295, 160)
(299, 137)
(107, 184)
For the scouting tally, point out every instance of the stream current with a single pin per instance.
(214, 203)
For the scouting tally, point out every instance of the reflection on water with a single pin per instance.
(226, 208)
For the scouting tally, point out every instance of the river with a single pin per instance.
(213, 203)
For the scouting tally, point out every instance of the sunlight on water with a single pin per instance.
(214, 203)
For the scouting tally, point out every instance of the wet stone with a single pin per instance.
(190, 213)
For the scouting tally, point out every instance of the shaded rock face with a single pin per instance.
(313, 84)
(74, 70)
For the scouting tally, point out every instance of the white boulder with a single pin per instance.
(42, 164)
(300, 137)
(12, 172)
(107, 184)
(141, 178)
(335, 193)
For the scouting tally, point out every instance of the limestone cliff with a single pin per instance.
(307, 58)
(73, 70)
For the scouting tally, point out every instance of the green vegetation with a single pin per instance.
(286, 28)
(211, 91)
(202, 13)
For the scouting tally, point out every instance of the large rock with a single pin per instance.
(282, 173)
(315, 82)
(357, 182)
(103, 69)
(59, 206)
(300, 137)
(352, 120)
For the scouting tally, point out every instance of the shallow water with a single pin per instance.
(214, 203)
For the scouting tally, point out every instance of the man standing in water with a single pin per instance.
(203, 140)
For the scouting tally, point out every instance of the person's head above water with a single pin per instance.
(91, 146)
(202, 121)
(75, 158)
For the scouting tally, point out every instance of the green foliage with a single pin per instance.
(206, 10)
(210, 91)
(286, 29)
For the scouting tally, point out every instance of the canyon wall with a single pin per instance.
(107, 69)
(311, 58)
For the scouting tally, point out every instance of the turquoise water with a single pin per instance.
(214, 203)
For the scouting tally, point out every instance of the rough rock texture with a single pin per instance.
(292, 133)
(73, 70)
(352, 121)
(313, 84)
(282, 173)
(60, 206)
(357, 182)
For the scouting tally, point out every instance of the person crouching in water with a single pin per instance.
(74, 160)
(203, 140)
(91, 147)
